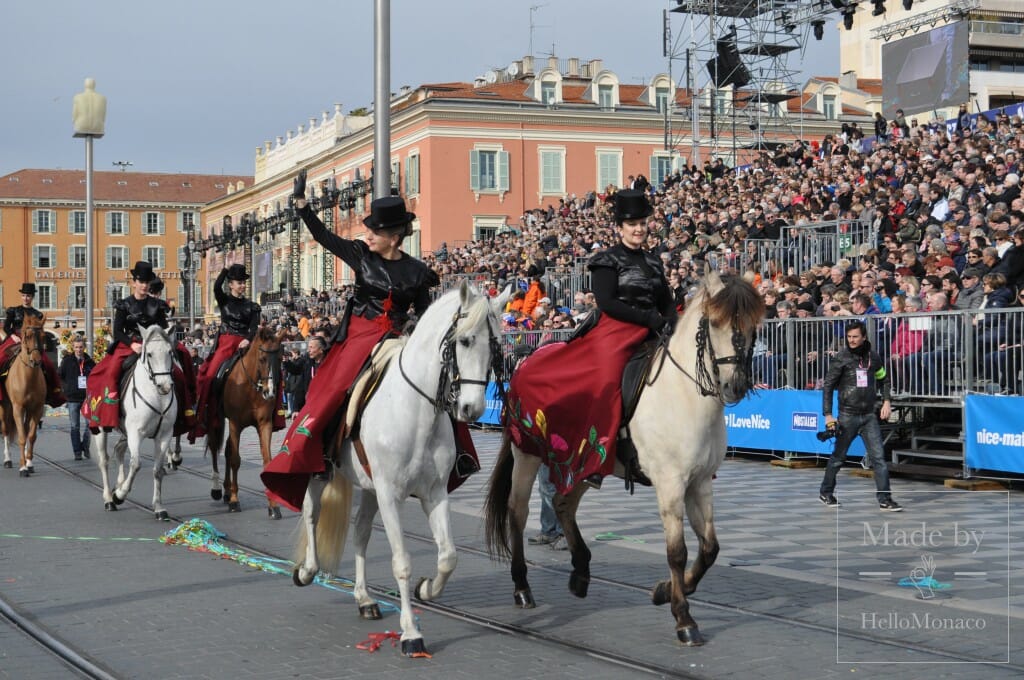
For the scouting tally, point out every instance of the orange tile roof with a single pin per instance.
(114, 186)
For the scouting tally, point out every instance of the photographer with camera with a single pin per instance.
(858, 373)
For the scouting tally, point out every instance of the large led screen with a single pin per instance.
(926, 71)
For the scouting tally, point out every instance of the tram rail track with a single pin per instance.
(537, 634)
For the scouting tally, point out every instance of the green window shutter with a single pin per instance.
(163, 223)
(474, 170)
(107, 254)
(106, 225)
(408, 163)
(503, 171)
(654, 170)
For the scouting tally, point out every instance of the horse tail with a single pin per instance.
(214, 442)
(496, 514)
(332, 526)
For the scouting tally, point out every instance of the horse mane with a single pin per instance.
(264, 334)
(737, 302)
(32, 321)
(476, 312)
(475, 315)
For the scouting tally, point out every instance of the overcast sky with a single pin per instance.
(197, 85)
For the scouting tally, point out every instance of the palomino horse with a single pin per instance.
(24, 395)
(250, 396)
(409, 443)
(679, 431)
(149, 408)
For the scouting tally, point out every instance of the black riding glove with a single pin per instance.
(299, 185)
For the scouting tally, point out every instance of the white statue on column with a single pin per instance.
(89, 111)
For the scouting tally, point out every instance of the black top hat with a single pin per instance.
(236, 272)
(389, 213)
(28, 289)
(143, 271)
(631, 205)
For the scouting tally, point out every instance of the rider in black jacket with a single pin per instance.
(858, 373)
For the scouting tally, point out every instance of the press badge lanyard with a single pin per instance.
(862, 373)
(81, 374)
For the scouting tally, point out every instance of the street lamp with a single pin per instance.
(88, 115)
(110, 287)
(190, 273)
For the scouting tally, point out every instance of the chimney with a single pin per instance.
(573, 69)
(528, 66)
(848, 80)
(553, 62)
(596, 65)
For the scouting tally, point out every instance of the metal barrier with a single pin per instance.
(933, 355)
(801, 246)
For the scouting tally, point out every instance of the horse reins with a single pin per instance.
(257, 384)
(30, 362)
(136, 395)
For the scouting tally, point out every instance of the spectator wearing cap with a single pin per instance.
(971, 292)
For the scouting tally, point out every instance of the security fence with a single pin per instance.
(801, 246)
(934, 355)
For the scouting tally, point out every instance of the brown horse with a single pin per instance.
(251, 392)
(24, 394)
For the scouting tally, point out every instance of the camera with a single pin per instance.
(828, 433)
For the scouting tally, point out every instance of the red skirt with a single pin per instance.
(227, 345)
(54, 392)
(302, 452)
(566, 407)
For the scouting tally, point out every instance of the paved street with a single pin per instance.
(789, 572)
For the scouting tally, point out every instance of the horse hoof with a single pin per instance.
(690, 636)
(109, 505)
(216, 494)
(8, 464)
(161, 516)
(117, 501)
(370, 612)
(524, 599)
(24, 473)
(274, 513)
(578, 584)
(297, 580)
(422, 590)
(175, 465)
(414, 648)
(662, 593)
(234, 506)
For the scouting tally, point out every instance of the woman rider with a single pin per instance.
(9, 348)
(565, 407)
(239, 321)
(387, 283)
(187, 389)
(102, 393)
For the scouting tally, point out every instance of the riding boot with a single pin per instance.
(627, 455)
(465, 464)
(594, 480)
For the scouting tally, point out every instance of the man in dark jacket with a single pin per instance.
(73, 370)
(304, 368)
(857, 373)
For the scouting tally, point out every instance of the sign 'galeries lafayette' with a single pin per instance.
(43, 275)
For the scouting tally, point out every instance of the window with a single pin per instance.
(187, 217)
(547, 92)
(44, 222)
(117, 223)
(721, 101)
(487, 226)
(661, 167)
(44, 257)
(552, 171)
(76, 222)
(488, 170)
(606, 96)
(78, 296)
(152, 223)
(828, 106)
(77, 257)
(117, 257)
(609, 168)
(154, 255)
(412, 175)
(45, 296)
(396, 174)
(414, 242)
(661, 99)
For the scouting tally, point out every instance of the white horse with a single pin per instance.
(679, 432)
(407, 435)
(149, 408)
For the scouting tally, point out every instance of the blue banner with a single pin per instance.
(492, 412)
(993, 436)
(782, 420)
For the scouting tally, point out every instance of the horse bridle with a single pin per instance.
(450, 382)
(709, 381)
(136, 395)
(30, 362)
(257, 383)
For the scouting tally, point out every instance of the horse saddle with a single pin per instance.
(363, 388)
(217, 386)
(634, 377)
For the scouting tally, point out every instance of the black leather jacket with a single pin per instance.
(238, 315)
(406, 281)
(130, 314)
(842, 375)
(16, 317)
(630, 286)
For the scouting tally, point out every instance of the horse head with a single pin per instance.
(498, 303)
(157, 358)
(730, 311)
(265, 349)
(473, 339)
(32, 340)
